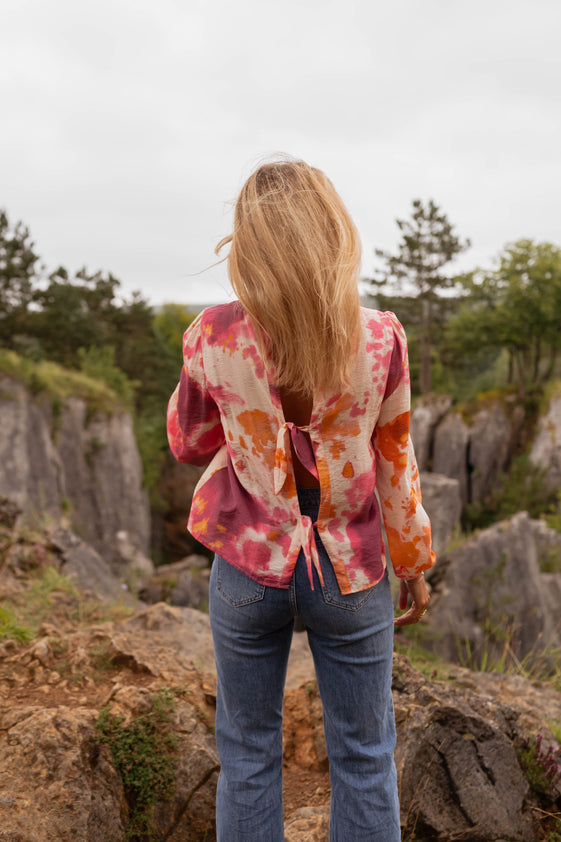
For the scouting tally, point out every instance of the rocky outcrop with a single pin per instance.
(545, 452)
(491, 602)
(428, 412)
(456, 756)
(492, 437)
(457, 765)
(476, 453)
(59, 459)
(442, 502)
(450, 446)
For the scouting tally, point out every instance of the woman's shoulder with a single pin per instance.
(223, 314)
(378, 320)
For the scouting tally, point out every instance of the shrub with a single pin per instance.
(144, 754)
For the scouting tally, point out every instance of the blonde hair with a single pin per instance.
(293, 263)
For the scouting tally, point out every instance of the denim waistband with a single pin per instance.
(309, 500)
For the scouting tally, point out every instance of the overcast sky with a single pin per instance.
(128, 127)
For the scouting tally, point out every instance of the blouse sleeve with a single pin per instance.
(194, 427)
(397, 477)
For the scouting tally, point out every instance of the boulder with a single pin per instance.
(429, 410)
(83, 564)
(457, 765)
(490, 599)
(545, 452)
(443, 504)
(183, 582)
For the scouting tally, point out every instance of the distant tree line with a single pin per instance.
(465, 331)
(81, 321)
(461, 326)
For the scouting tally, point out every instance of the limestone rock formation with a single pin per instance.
(70, 462)
(490, 447)
(428, 412)
(546, 448)
(451, 439)
(490, 598)
(442, 502)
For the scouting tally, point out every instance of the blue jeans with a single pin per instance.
(351, 639)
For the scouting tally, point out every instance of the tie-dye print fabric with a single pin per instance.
(226, 411)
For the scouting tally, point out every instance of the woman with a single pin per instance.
(299, 399)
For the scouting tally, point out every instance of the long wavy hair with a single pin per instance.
(294, 263)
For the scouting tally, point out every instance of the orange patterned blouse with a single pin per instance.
(227, 411)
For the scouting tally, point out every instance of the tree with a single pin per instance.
(516, 307)
(17, 271)
(74, 313)
(427, 244)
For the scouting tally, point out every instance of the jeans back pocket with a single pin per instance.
(237, 588)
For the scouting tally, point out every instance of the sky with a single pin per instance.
(128, 127)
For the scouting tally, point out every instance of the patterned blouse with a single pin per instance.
(227, 411)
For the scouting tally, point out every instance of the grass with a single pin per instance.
(12, 627)
(55, 596)
(56, 383)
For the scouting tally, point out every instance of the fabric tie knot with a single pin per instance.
(291, 432)
(305, 534)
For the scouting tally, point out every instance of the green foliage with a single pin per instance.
(553, 516)
(514, 307)
(427, 244)
(144, 754)
(541, 766)
(555, 728)
(55, 382)
(170, 324)
(11, 627)
(99, 364)
(17, 270)
(521, 489)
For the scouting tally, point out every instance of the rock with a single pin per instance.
(184, 582)
(9, 513)
(490, 447)
(545, 452)
(428, 412)
(308, 824)
(73, 464)
(132, 566)
(442, 502)
(458, 771)
(89, 570)
(457, 766)
(451, 439)
(490, 599)
(103, 478)
(57, 783)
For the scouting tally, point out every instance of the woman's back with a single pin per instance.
(297, 408)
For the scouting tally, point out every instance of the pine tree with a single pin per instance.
(428, 243)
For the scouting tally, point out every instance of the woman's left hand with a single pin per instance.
(417, 590)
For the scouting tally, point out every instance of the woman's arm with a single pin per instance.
(194, 427)
(397, 477)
